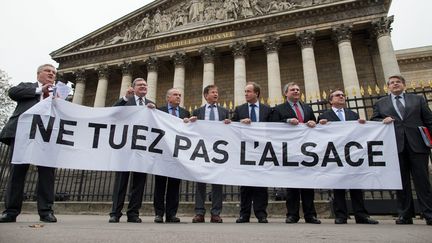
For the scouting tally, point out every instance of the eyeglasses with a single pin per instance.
(141, 85)
(339, 95)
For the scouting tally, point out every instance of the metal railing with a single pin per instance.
(83, 185)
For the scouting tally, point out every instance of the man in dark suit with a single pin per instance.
(166, 185)
(27, 95)
(294, 112)
(135, 96)
(209, 111)
(252, 111)
(337, 113)
(407, 112)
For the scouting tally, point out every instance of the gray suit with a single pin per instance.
(413, 153)
(25, 96)
(200, 193)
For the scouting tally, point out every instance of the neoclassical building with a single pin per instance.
(188, 44)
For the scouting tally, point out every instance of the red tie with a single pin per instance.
(298, 113)
(45, 95)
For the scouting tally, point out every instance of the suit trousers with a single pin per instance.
(415, 165)
(216, 198)
(357, 202)
(172, 188)
(293, 202)
(15, 189)
(136, 193)
(256, 197)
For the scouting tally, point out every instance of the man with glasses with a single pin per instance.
(338, 113)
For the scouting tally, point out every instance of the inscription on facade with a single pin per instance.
(197, 40)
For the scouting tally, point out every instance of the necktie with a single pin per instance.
(173, 111)
(298, 113)
(45, 95)
(400, 107)
(252, 113)
(212, 113)
(140, 101)
(339, 114)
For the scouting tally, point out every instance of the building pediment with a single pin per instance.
(162, 18)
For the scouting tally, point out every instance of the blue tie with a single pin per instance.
(339, 114)
(252, 113)
(212, 113)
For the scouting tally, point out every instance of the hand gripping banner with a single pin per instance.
(337, 155)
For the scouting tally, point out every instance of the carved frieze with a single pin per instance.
(382, 26)
(306, 38)
(194, 13)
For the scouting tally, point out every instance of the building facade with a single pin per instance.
(319, 44)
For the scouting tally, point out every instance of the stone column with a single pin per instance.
(306, 41)
(207, 54)
(239, 50)
(179, 59)
(152, 78)
(382, 29)
(271, 45)
(342, 35)
(102, 86)
(126, 69)
(78, 96)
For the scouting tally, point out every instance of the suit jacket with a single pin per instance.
(200, 113)
(242, 112)
(183, 113)
(330, 115)
(417, 113)
(130, 102)
(284, 111)
(25, 96)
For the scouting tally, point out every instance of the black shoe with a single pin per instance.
(49, 218)
(134, 219)
(242, 219)
(114, 219)
(312, 220)
(263, 220)
(173, 219)
(366, 220)
(340, 221)
(7, 218)
(291, 220)
(158, 219)
(403, 220)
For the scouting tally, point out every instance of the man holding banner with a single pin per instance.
(294, 112)
(211, 112)
(135, 96)
(338, 112)
(167, 189)
(27, 95)
(252, 111)
(408, 112)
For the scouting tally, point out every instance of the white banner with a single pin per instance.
(60, 134)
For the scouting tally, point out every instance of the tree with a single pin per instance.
(7, 105)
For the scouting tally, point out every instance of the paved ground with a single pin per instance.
(95, 228)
